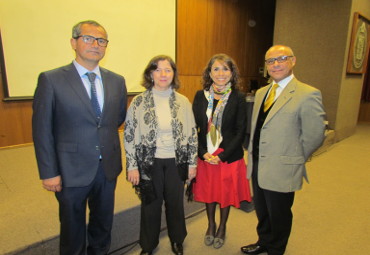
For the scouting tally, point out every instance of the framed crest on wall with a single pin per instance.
(359, 46)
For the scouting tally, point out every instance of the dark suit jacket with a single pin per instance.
(232, 129)
(68, 140)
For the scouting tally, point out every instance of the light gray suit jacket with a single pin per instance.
(294, 128)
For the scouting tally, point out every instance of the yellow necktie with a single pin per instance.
(271, 97)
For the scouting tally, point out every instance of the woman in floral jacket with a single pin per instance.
(161, 152)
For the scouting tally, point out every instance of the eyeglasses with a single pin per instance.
(90, 40)
(281, 59)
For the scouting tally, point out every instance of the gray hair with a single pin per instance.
(76, 30)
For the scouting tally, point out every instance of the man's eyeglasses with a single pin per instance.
(281, 59)
(90, 40)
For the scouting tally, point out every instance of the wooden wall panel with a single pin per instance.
(15, 121)
(190, 85)
(227, 24)
(208, 27)
(191, 36)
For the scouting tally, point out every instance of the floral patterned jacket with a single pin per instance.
(140, 133)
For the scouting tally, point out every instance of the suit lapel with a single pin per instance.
(106, 88)
(203, 109)
(284, 97)
(74, 80)
(256, 108)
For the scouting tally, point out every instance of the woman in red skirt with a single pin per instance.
(220, 116)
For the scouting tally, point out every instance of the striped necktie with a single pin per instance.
(271, 97)
(94, 96)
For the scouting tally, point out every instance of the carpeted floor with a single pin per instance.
(331, 214)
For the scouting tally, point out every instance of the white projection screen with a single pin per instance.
(36, 37)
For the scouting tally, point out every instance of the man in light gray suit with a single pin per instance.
(288, 125)
(77, 111)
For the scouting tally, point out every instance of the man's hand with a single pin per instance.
(53, 184)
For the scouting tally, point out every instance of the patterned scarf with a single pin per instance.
(214, 137)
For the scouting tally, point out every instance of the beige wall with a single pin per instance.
(319, 32)
(351, 85)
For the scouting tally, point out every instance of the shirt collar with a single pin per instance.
(284, 82)
(82, 70)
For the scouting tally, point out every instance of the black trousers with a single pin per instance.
(274, 215)
(99, 196)
(169, 188)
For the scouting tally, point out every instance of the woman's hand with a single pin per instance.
(207, 157)
(192, 173)
(133, 176)
(214, 160)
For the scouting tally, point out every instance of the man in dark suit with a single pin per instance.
(288, 125)
(77, 111)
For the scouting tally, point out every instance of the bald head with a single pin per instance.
(280, 61)
(282, 48)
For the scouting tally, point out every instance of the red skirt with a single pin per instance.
(226, 184)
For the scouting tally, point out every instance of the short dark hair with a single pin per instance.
(147, 81)
(76, 30)
(235, 77)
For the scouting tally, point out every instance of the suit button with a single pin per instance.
(97, 148)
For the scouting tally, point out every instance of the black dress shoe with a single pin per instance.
(146, 253)
(253, 249)
(247, 206)
(177, 248)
